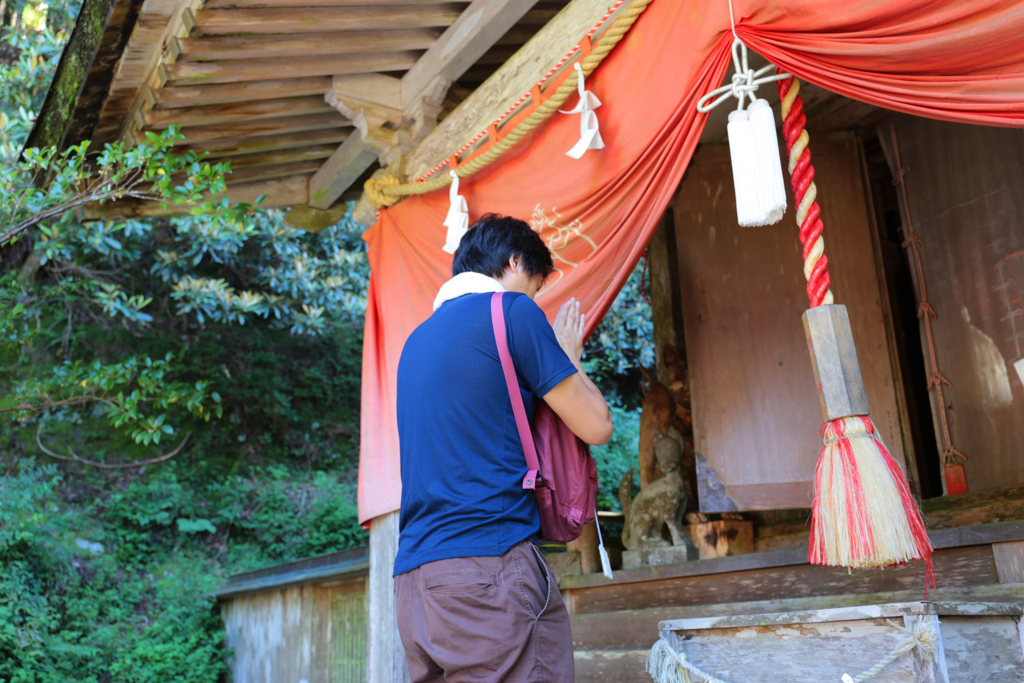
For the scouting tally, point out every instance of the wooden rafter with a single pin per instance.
(277, 46)
(282, 156)
(278, 192)
(241, 111)
(276, 126)
(249, 91)
(268, 171)
(233, 71)
(220, 149)
(242, 4)
(320, 19)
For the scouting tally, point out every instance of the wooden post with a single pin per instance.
(586, 544)
(834, 358)
(385, 660)
(666, 296)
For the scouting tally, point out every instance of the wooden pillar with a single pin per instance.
(385, 657)
(667, 316)
(666, 297)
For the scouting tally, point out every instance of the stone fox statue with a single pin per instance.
(663, 502)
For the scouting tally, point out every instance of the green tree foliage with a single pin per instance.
(623, 343)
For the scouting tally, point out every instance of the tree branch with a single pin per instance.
(75, 458)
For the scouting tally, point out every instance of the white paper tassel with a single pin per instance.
(457, 220)
(771, 186)
(744, 168)
(590, 135)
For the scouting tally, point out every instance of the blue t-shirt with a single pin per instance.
(462, 459)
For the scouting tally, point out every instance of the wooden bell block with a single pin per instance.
(956, 481)
(834, 358)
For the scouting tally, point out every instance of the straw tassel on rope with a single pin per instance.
(864, 514)
(753, 143)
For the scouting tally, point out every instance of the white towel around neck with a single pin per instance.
(466, 283)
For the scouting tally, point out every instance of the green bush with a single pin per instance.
(111, 579)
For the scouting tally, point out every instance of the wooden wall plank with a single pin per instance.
(954, 567)
(611, 666)
(755, 407)
(964, 185)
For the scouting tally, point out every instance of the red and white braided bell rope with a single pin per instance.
(808, 213)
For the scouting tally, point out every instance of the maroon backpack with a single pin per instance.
(561, 471)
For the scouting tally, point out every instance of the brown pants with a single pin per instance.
(485, 620)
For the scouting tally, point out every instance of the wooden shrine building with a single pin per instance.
(309, 99)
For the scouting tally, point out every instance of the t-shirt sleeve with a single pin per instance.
(539, 360)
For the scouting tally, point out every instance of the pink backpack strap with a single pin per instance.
(522, 424)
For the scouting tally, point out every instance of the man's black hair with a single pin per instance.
(493, 240)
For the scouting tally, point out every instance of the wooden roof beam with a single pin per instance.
(337, 174)
(473, 34)
(515, 77)
(391, 113)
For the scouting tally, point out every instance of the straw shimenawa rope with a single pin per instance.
(386, 190)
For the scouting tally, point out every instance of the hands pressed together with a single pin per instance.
(568, 326)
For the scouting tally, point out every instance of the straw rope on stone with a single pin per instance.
(666, 665)
(388, 186)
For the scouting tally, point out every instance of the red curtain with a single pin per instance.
(957, 61)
